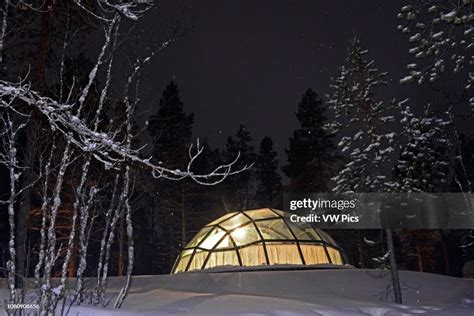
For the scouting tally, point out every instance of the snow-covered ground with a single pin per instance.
(284, 292)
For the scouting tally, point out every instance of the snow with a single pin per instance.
(125, 10)
(415, 37)
(437, 35)
(369, 242)
(406, 8)
(287, 292)
(449, 16)
(406, 79)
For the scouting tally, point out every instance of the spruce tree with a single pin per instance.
(171, 131)
(360, 118)
(424, 166)
(465, 163)
(440, 37)
(171, 128)
(266, 170)
(425, 156)
(239, 189)
(311, 147)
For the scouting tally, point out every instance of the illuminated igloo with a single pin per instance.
(259, 237)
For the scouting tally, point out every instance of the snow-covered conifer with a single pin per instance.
(425, 154)
(442, 37)
(360, 117)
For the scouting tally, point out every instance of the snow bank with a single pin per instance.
(325, 292)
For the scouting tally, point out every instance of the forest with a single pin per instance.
(95, 183)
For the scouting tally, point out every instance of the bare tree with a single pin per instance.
(80, 141)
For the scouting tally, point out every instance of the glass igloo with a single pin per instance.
(258, 238)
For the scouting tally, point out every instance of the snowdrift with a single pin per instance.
(289, 292)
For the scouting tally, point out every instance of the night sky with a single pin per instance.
(250, 61)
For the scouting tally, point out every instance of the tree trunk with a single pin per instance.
(42, 48)
(393, 267)
(71, 265)
(21, 233)
(360, 250)
(121, 244)
(445, 255)
(418, 256)
(183, 214)
(29, 151)
(246, 202)
(71, 268)
(24, 207)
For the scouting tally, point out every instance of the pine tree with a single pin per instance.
(239, 189)
(441, 36)
(440, 33)
(171, 130)
(465, 165)
(424, 166)
(360, 117)
(311, 148)
(425, 158)
(268, 179)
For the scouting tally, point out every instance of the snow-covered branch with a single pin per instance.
(79, 143)
(442, 35)
(104, 146)
(3, 31)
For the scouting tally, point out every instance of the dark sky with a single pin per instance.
(250, 61)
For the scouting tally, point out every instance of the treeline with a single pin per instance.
(170, 213)
(349, 141)
(354, 142)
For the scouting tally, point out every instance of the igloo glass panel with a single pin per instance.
(213, 238)
(279, 213)
(274, 229)
(198, 238)
(245, 235)
(183, 260)
(222, 258)
(187, 253)
(225, 243)
(197, 260)
(283, 253)
(335, 255)
(234, 222)
(258, 237)
(314, 254)
(182, 264)
(261, 214)
(253, 255)
(303, 232)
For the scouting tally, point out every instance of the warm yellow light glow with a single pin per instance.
(257, 238)
(212, 240)
(239, 233)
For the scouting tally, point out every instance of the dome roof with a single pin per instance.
(257, 238)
